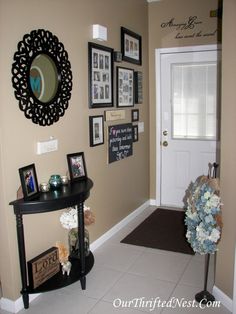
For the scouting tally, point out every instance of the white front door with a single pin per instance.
(189, 93)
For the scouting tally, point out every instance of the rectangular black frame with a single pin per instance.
(138, 87)
(75, 162)
(131, 46)
(29, 182)
(96, 130)
(100, 67)
(134, 115)
(135, 133)
(125, 87)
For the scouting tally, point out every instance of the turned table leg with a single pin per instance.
(80, 209)
(21, 250)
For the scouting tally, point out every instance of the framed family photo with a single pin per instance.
(96, 130)
(131, 46)
(125, 87)
(100, 61)
(76, 166)
(29, 182)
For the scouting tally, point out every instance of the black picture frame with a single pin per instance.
(131, 46)
(96, 130)
(100, 68)
(29, 182)
(125, 87)
(134, 115)
(77, 166)
(138, 87)
(135, 133)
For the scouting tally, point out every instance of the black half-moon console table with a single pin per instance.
(73, 194)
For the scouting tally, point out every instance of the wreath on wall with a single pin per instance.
(203, 215)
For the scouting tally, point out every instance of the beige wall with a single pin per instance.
(164, 37)
(119, 188)
(225, 256)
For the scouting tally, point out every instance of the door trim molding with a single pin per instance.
(158, 53)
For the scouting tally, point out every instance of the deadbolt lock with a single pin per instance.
(165, 143)
(165, 133)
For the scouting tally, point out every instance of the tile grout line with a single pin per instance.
(118, 279)
(177, 283)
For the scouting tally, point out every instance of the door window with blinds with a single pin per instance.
(194, 101)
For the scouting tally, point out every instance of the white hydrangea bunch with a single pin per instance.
(69, 219)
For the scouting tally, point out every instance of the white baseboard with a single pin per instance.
(223, 298)
(16, 306)
(118, 226)
(153, 202)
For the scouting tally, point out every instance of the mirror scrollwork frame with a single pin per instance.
(28, 77)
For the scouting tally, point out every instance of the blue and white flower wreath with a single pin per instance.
(203, 215)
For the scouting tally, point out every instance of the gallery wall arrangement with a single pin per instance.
(128, 87)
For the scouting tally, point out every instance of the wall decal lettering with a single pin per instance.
(184, 28)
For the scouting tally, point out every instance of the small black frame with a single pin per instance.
(131, 46)
(134, 115)
(135, 133)
(77, 166)
(100, 67)
(96, 130)
(29, 182)
(138, 87)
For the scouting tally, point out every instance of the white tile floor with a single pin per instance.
(125, 272)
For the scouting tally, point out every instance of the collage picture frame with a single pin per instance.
(131, 46)
(100, 62)
(125, 87)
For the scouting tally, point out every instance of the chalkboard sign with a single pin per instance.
(120, 141)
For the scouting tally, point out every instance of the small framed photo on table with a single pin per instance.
(125, 87)
(29, 182)
(76, 166)
(100, 61)
(96, 130)
(131, 46)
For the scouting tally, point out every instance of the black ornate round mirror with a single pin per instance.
(42, 77)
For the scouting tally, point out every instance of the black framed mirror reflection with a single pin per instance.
(42, 77)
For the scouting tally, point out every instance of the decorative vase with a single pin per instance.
(55, 182)
(73, 239)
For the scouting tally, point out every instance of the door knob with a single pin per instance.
(165, 133)
(165, 143)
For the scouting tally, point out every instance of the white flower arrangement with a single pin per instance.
(69, 219)
(203, 215)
